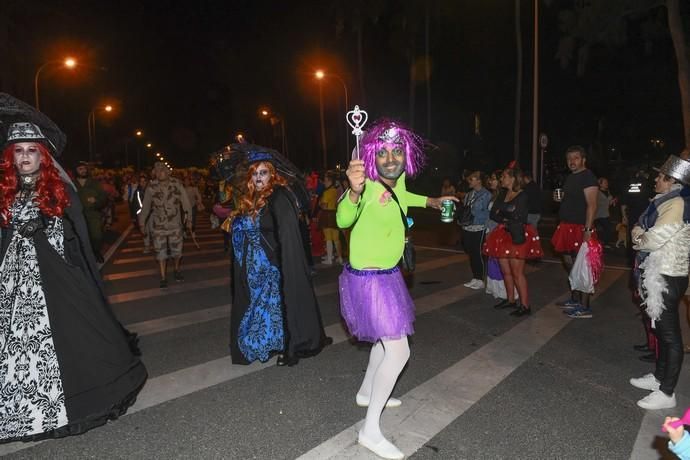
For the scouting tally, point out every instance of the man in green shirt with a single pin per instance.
(93, 198)
(375, 302)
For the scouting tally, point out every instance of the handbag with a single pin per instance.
(408, 261)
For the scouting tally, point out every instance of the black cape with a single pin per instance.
(282, 243)
(99, 364)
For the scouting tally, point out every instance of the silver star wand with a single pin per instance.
(356, 118)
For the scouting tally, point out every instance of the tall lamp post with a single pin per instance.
(266, 113)
(91, 123)
(320, 75)
(137, 135)
(69, 63)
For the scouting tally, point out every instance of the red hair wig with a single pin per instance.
(52, 198)
(253, 200)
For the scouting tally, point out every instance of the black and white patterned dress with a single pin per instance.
(31, 388)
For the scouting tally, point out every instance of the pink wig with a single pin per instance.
(386, 133)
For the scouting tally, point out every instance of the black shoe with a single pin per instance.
(327, 341)
(650, 358)
(644, 347)
(521, 311)
(178, 276)
(513, 305)
(285, 360)
(164, 283)
(502, 304)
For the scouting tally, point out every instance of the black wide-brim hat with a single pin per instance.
(243, 155)
(16, 120)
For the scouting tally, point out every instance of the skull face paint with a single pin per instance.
(261, 176)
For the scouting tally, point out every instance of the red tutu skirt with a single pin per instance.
(500, 245)
(568, 237)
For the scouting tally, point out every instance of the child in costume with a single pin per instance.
(375, 302)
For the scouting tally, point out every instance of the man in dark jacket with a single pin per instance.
(93, 198)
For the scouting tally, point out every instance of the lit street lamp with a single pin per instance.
(68, 63)
(137, 134)
(91, 123)
(321, 75)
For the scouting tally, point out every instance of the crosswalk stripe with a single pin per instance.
(171, 290)
(154, 271)
(167, 323)
(151, 257)
(189, 244)
(430, 407)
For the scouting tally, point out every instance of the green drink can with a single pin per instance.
(447, 211)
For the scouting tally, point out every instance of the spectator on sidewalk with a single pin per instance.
(194, 198)
(327, 223)
(602, 220)
(476, 211)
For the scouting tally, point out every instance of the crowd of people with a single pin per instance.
(69, 365)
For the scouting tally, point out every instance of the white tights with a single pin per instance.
(386, 360)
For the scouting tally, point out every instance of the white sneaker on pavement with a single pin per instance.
(470, 283)
(383, 448)
(646, 382)
(657, 400)
(477, 284)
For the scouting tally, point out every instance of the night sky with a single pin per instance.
(193, 74)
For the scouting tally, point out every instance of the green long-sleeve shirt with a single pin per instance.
(378, 235)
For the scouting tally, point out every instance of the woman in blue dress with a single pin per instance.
(274, 308)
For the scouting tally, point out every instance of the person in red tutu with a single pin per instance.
(577, 212)
(513, 241)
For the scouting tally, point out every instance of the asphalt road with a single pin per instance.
(480, 384)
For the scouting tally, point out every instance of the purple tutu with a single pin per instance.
(376, 304)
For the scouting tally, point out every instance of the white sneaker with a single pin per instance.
(657, 400)
(383, 448)
(478, 284)
(470, 283)
(646, 382)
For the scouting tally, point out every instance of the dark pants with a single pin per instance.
(472, 243)
(605, 229)
(670, 341)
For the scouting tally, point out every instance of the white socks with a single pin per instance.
(386, 361)
(328, 259)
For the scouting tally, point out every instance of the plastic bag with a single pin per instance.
(580, 277)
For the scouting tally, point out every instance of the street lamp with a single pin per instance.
(278, 119)
(68, 63)
(91, 124)
(137, 133)
(321, 75)
(240, 138)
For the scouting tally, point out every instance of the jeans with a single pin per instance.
(669, 338)
(605, 229)
(533, 220)
(472, 243)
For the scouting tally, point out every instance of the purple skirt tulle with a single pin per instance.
(376, 304)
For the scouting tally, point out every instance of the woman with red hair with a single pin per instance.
(67, 363)
(274, 308)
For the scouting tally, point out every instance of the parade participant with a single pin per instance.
(473, 229)
(662, 237)
(375, 302)
(514, 240)
(93, 198)
(67, 364)
(533, 193)
(274, 307)
(167, 206)
(327, 224)
(577, 212)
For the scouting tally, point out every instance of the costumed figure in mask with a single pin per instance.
(375, 302)
(274, 308)
(66, 363)
(662, 239)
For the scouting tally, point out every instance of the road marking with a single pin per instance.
(433, 405)
(151, 257)
(189, 244)
(154, 271)
(167, 323)
(174, 288)
(118, 242)
(139, 239)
